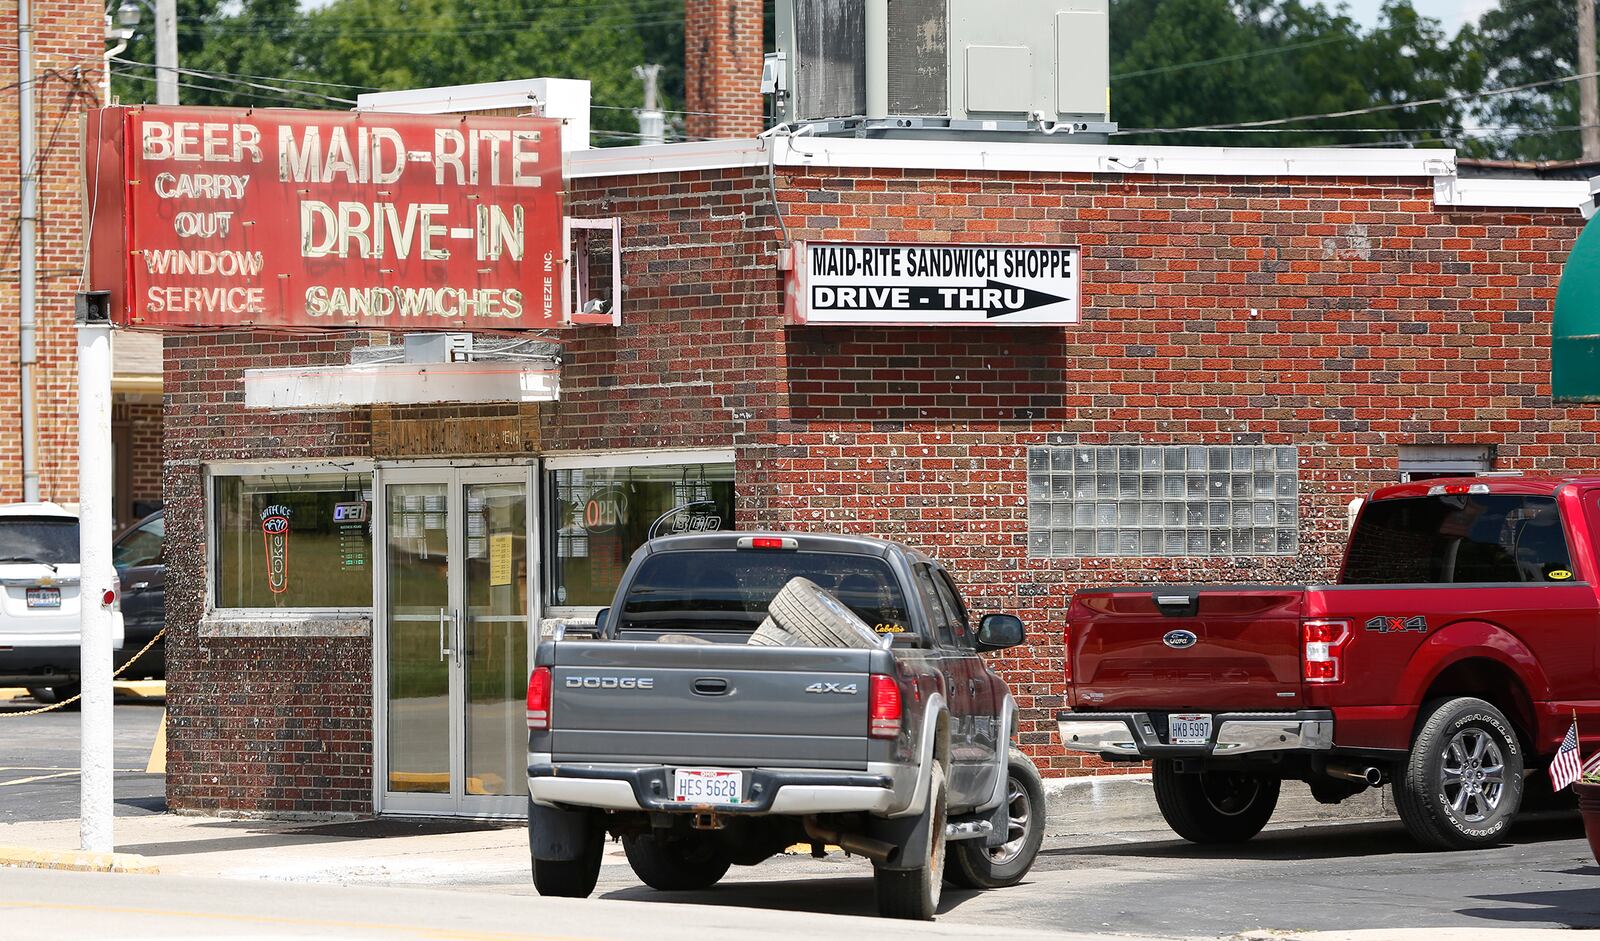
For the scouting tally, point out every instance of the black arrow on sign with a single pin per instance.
(1030, 299)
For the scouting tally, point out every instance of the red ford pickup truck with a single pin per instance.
(1448, 661)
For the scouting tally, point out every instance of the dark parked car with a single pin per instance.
(142, 570)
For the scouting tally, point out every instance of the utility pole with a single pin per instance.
(167, 52)
(97, 588)
(27, 233)
(652, 123)
(1588, 88)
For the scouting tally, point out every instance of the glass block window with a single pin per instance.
(1143, 500)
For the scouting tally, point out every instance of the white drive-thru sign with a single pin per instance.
(995, 285)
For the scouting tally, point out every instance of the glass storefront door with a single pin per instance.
(454, 614)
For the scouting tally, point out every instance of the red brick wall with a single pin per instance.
(255, 724)
(722, 68)
(1346, 317)
(68, 45)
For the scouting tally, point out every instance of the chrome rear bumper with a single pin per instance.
(1135, 735)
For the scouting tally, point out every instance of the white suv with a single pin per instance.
(39, 600)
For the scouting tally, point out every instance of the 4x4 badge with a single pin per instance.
(1390, 624)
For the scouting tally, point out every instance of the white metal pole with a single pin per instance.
(166, 52)
(27, 222)
(96, 583)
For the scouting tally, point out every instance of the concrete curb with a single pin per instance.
(23, 857)
(1082, 806)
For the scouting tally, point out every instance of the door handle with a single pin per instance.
(458, 627)
(444, 651)
(140, 586)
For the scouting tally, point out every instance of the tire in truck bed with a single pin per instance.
(803, 615)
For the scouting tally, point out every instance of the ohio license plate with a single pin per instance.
(707, 786)
(44, 597)
(1188, 729)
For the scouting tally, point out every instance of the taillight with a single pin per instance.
(1324, 650)
(1066, 654)
(539, 698)
(883, 709)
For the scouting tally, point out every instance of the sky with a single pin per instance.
(1452, 13)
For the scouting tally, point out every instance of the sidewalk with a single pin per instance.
(455, 851)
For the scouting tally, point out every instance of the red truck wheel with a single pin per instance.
(1461, 786)
(1214, 806)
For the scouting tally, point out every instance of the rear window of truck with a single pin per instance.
(729, 589)
(1458, 539)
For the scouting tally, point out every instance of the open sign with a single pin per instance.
(604, 511)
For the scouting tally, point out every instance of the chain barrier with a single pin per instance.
(72, 699)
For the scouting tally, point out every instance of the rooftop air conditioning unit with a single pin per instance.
(972, 68)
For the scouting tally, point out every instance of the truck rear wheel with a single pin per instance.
(974, 864)
(914, 893)
(1214, 806)
(1461, 786)
(680, 865)
(571, 878)
(817, 618)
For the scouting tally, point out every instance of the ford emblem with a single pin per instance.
(1180, 640)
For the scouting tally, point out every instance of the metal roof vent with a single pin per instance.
(984, 69)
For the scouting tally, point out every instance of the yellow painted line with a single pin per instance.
(24, 857)
(404, 930)
(9, 693)
(158, 751)
(144, 689)
(41, 777)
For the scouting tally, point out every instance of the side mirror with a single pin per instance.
(600, 620)
(999, 631)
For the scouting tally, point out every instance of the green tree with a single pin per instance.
(381, 45)
(1518, 43)
(1189, 63)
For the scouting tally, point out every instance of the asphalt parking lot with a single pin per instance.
(1109, 867)
(39, 761)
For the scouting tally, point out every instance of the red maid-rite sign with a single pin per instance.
(226, 218)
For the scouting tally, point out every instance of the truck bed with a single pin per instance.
(726, 705)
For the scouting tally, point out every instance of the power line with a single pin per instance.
(1375, 109)
(1199, 63)
(228, 77)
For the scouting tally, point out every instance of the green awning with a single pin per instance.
(1575, 344)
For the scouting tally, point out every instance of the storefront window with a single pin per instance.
(300, 540)
(600, 515)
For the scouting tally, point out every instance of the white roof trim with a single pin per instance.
(1013, 156)
(1498, 192)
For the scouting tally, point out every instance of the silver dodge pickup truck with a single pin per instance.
(701, 749)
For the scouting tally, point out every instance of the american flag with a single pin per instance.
(1566, 768)
(1592, 766)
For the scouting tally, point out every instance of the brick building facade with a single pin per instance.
(1359, 306)
(68, 68)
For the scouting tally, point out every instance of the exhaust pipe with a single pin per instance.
(876, 850)
(1371, 777)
